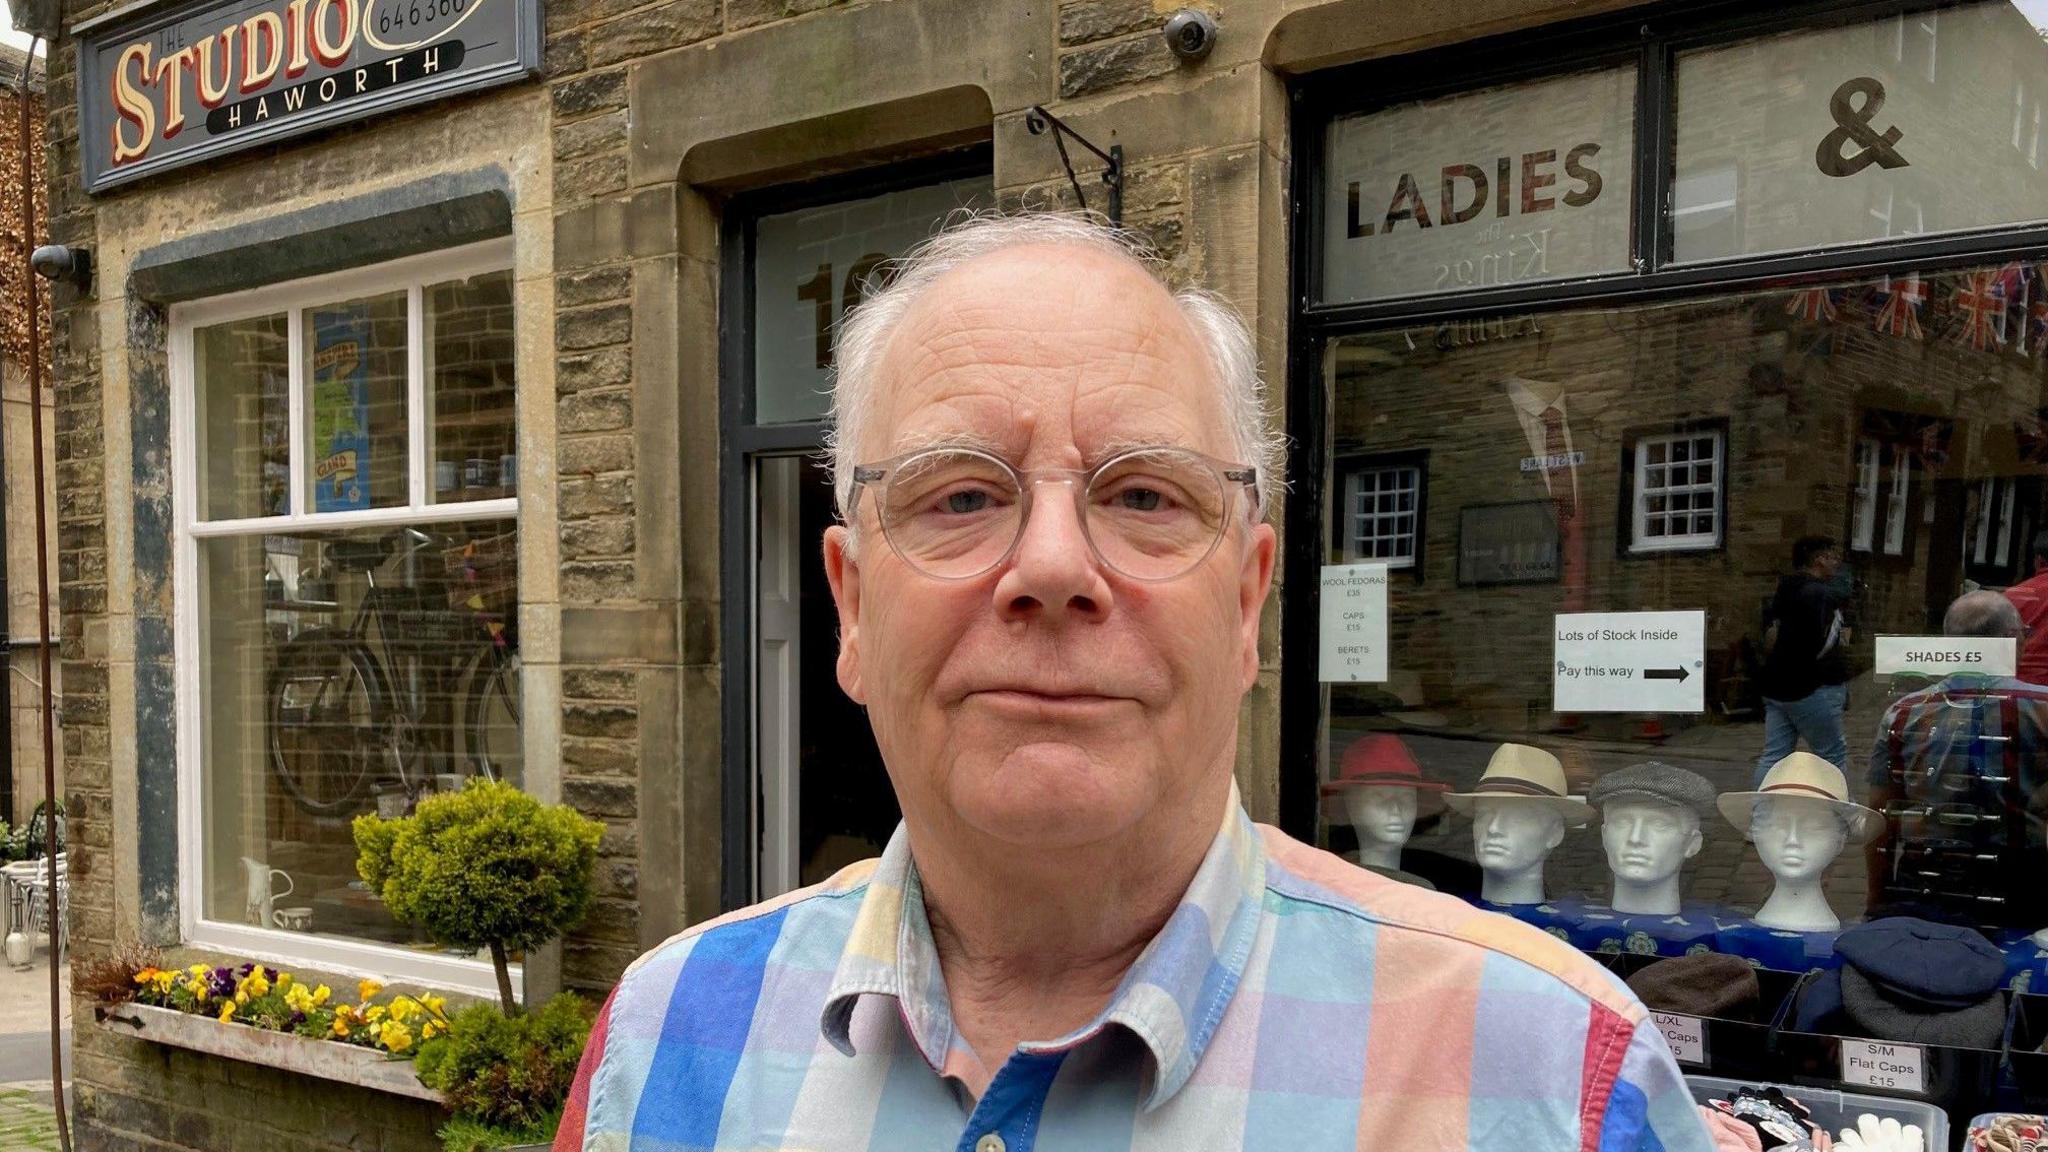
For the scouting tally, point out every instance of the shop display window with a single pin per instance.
(347, 590)
(1815, 484)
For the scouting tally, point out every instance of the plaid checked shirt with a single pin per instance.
(1292, 1002)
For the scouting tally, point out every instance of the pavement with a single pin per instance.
(27, 1121)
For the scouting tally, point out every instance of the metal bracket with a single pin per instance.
(102, 1014)
(1038, 121)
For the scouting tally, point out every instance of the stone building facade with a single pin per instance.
(609, 206)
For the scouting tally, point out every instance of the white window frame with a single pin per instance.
(1640, 541)
(1352, 474)
(1881, 494)
(271, 945)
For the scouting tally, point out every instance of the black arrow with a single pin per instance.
(1678, 674)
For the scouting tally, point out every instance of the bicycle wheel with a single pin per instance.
(491, 715)
(326, 721)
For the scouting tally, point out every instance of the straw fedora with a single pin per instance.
(1380, 760)
(1804, 774)
(1519, 772)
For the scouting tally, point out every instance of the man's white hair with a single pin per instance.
(865, 333)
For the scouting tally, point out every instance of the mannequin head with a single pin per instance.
(1384, 818)
(1797, 837)
(1648, 842)
(1511, 837)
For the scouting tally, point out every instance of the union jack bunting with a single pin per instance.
(1899, 314)
(1813, 305)
(1980, 301)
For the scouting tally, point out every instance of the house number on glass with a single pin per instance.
(818, 292)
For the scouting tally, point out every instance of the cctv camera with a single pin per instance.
(1190, 33)
(57, 262)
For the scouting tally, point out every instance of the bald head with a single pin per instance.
(1982, 614)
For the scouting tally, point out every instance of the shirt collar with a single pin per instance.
(1171, 999)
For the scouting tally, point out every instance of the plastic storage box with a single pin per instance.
(1838, 1110)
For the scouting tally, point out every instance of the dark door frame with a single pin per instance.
(740, 441)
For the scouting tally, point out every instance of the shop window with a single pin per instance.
(1382, 512)
(347, 589)
(1884, 477)
(1677, 498)
(2026, 123)
(1916, 44)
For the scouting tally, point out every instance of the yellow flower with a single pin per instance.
(430, 1029)
(227, 1011)
(284, 981)
(241, 997)
(197, 970)
(375, 1014)
(164, 980)
(402, 1008)
(254, 984)
(367, 989)
(340, 1026)
(299, 999)
(320, 995)
(435, 1004)
(395, 1037)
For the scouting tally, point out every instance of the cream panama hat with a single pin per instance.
(1804, 774)
(1519, 772)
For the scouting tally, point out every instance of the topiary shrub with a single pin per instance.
(486, 867)
(505, 1077)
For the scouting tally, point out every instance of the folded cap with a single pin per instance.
(1918, 961)
(1980, 1024)
(1657, 782)
(1708, 984)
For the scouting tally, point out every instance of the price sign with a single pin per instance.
(1873, 1064)
(1354, 626)
(1686, 1036)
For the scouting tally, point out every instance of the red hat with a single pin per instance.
(1381, 760)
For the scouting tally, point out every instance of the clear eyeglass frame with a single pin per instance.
(1229, 478)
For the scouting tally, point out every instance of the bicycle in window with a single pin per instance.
(421, 682)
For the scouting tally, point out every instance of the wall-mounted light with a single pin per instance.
(1191, 33)
(64, 265)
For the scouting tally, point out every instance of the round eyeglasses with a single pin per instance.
(1150, 514)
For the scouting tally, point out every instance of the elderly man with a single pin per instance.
(1957, 769)
(1052, 473)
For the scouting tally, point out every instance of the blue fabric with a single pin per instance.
(1598, 928)
(1941, 964)
(1817, 719)
(1777, 948)
(705, 1033)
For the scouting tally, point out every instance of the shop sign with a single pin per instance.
(1511, 185)
(1630, 662)
(200, 80)
(1947, 655)
(1354, 624)
(1871, 1064)
(1686, 1036)
(1926, 122)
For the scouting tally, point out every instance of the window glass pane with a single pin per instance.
(356, 404)
(241, 375)
(1723, 449)
(813, 264)
(1520, 183)
(473, 450)
(345, 672)
(1854, 134)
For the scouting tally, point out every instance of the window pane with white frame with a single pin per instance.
(1382, 507)
(1677, 492)
(352, 617)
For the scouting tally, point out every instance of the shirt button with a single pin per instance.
(990, 1143)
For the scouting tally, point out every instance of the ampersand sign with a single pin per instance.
(1853, 124)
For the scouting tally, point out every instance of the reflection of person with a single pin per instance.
(1650, 826)
(1967, 751)
(1519, 812)
(1049, 583)
(1805, 671)
(1799, 819)
(2030, 597)
(1380, 791)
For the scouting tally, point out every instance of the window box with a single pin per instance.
(326, 1059)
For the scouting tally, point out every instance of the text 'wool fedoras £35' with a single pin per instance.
(1381, 760)
(1521, 773)
(1804, 774)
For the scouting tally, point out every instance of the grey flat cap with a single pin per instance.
(1654, 781)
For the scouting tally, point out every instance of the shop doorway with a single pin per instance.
(805, 791)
